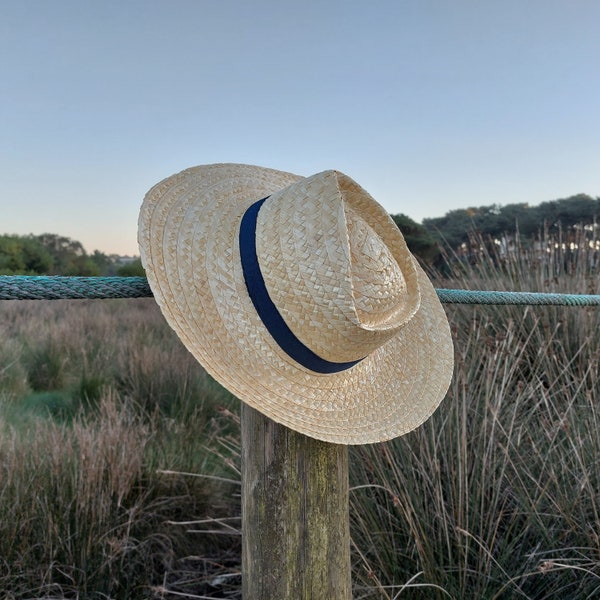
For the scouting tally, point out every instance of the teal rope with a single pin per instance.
(22, 287)
(519, 298)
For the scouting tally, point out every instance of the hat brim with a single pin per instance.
(188, 238)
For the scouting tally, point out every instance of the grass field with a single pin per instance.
(119, 456)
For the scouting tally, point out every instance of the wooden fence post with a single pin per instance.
(295, 521)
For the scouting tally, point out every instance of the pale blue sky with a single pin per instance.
(429, 104)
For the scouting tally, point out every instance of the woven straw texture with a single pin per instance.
(340, 275)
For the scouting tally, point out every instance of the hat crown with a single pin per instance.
(378, 285)
(336, 266)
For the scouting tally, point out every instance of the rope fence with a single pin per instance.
(25, 287)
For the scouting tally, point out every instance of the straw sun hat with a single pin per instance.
(307, 305)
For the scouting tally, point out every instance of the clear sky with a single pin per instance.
(429, 104)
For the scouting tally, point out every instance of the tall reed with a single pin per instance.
(101, 409)
(498, 495)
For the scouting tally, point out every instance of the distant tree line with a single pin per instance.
(555, 218)
(530, 221)
(51, 254)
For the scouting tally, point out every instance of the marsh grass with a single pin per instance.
(99, 402)
(120, 475)
(498, 495)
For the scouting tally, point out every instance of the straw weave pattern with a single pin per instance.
(188, 235)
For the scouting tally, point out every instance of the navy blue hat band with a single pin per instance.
(266, 309)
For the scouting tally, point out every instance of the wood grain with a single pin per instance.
(295, 523)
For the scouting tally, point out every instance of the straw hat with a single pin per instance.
(307, 305)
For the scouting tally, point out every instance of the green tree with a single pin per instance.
(132, 269)
(106, 264)
(11, 256)
(419, 241)
(453, 227)
(36, 258)
(68, 255)
(495, 220)
(23, 255)
(48, 254)
(569, 211)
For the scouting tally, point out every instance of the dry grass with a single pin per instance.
(496, 497)
(102, 409)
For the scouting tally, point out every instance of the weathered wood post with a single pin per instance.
(295, 522)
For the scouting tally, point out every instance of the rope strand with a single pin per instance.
(25, 287)
(516, 298)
